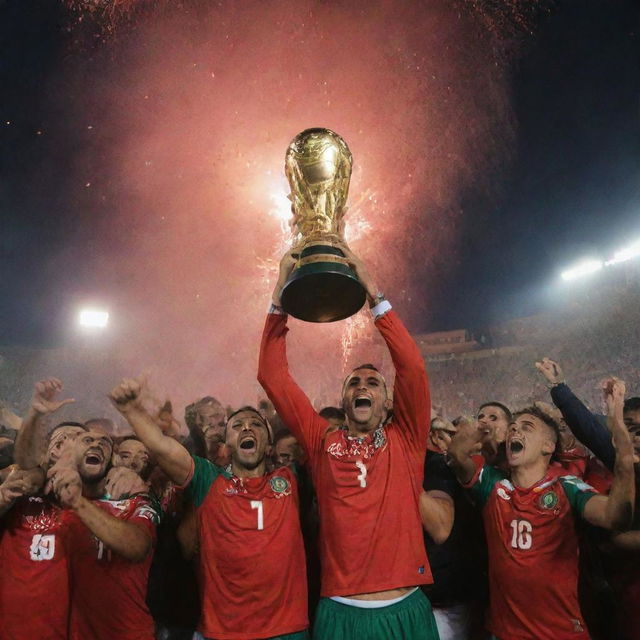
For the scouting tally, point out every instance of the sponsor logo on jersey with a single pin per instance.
(358, 447)
(548, 500)
(504, 486)
(279, 484)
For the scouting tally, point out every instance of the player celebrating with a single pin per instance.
(33, 552)
(252, 563)
(110, 544)
(368, 478)
(529, 517)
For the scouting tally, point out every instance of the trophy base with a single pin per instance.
(324, 289)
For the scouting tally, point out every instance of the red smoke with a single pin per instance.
(191, 112)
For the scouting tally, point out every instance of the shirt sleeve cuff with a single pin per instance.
(479, 462)
(189, 477)
(380, 309)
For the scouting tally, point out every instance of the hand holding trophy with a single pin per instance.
(322, 286)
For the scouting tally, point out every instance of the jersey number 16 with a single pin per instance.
(521, 534)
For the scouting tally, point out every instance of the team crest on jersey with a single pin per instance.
(280, 486)
(548, 500)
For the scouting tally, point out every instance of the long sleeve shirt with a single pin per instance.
(368, 488)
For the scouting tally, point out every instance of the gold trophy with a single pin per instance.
(322, 286)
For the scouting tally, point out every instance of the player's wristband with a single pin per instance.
(380, 309)
(274, 308)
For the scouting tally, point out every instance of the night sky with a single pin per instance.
(574, 188)
(104, 149)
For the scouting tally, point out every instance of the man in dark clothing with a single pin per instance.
(460, 589)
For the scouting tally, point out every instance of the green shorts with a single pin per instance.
(409, 619)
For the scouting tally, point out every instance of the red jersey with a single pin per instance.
(34, 586)
(533, 554)
(579, 462)
(109, 592)
(252, 562)
(368, 488)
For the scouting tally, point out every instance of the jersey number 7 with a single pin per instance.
(257, 504)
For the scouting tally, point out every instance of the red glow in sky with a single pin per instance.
(191, 113)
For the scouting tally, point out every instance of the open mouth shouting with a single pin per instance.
(362, 403)
(515, 447)
(248, 444)
(93, 458)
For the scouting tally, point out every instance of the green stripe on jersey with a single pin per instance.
(578, 492)
(204, 475)
(488, 478)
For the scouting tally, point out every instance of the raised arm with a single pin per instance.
(289, 400)
(411, 398)
(127, 539)
(583, 424)
(615, 511)
(172, 457)
(31, 442)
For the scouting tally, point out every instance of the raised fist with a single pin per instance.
(550, 370)
(66, 484)
(614, 390)
(127, 396)
(121, 483)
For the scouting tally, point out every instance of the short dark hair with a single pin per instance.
(537, 412)
(281, 435)
(505, 409)
(367, 365)
(332, 412)
(631, 404)
(67, 423)
(460, 419)
(129, 437)
(107, 424)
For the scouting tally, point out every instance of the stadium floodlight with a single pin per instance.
(93, 318)
(584, 268)
(628, 253)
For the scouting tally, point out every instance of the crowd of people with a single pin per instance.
(388, 517)
(591, 338)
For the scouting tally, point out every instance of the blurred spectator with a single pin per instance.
(335, 416)
(286, 450)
